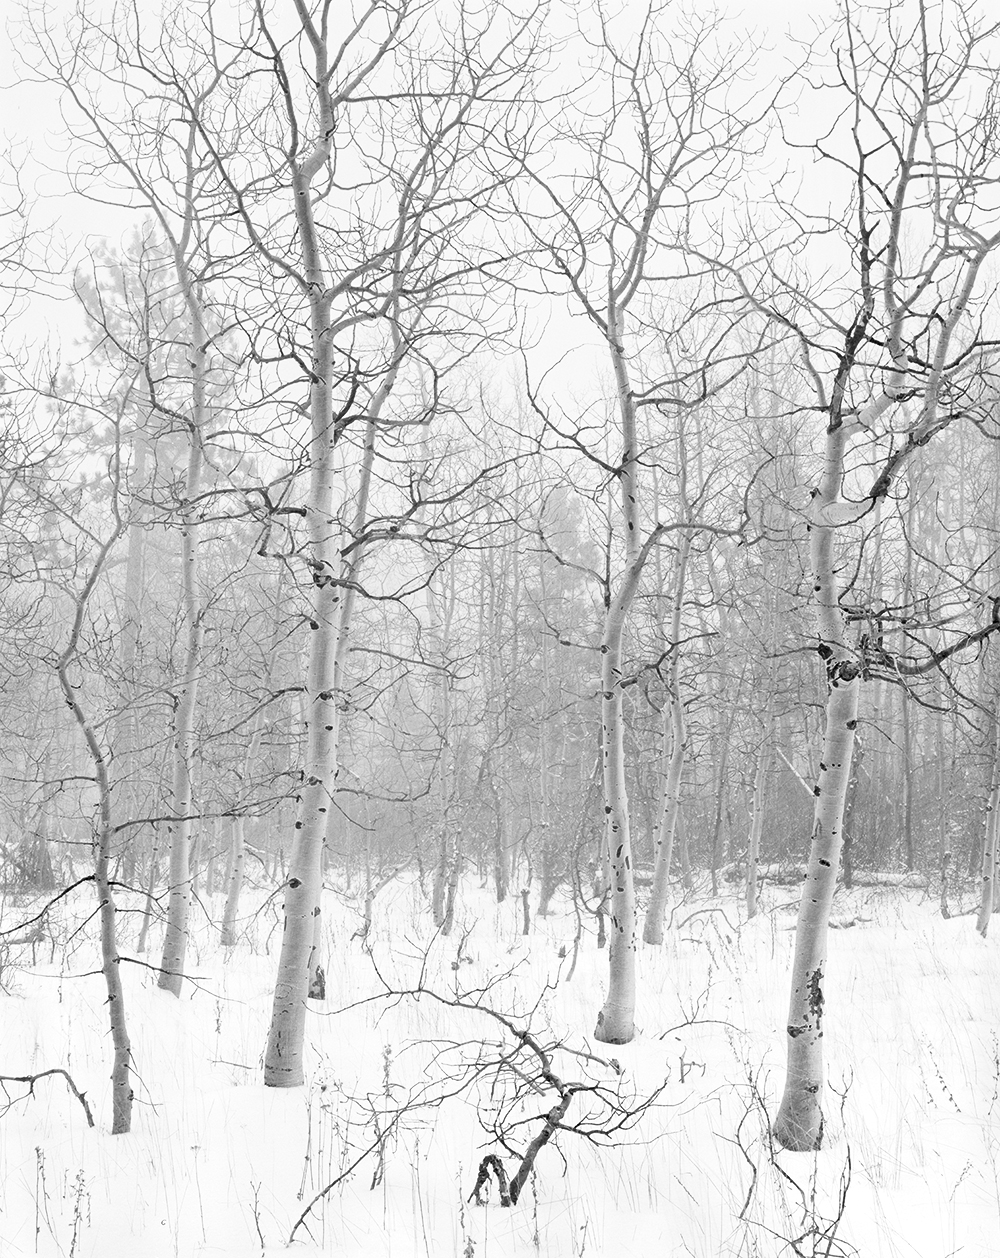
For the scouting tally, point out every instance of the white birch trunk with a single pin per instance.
(761, 778)
(616, 1020)
(283, 1064)
(549, 876)
(799, 1123)
(148, 908)
(129, 796)
(179, 826)
(987, 897)
(674, 737)
(234, 882)
(121, 1083)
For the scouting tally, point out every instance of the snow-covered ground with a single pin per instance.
(218, 1165)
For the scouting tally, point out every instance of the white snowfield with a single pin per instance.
(217, 1166)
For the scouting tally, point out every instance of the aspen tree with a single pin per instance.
(887, 377)
(674, 731)
(122, 148)
(179, 825)
(73, 691)
(987, 894)
(121, 1071)
(662, 132)
(409, 256)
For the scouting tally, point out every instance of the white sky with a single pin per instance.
(31, 123)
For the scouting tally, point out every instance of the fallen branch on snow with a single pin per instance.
(31, 1080)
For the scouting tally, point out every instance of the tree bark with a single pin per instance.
(234, 882)
(283, 1065)
(121, 1084)
(761, 780)
(799, 1123)
(987, 895)
(615, 1022)
(674, 736)
(179, 826)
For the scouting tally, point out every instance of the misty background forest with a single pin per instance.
(500, 525)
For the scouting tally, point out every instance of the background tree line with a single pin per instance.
(550, 443)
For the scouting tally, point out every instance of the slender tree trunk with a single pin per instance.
(448, 869)
(451, 890)
(987, 894)
(906, 754)
(147, 912)
(849, 826)
(494, 753)
(234, 882)
(440, 881)
(674, 736)
(129, 796)
(501, 845)
(722, 781)
(687, 876)
(236, 860)
(437, 618)
(549, 877)
(212, 856)
(121, 1084)
(179, 826)
(944, 852)
(761, 780)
